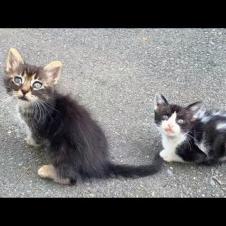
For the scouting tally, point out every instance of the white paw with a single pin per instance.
(166, 156)
(44, 171)
(48, 171)
(31, 142)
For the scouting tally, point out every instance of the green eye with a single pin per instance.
(180, 121)
(165, 117)
(18, 80)
(37, 85)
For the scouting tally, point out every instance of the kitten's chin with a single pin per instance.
(23, 98)
(171, 135)
(23, 102)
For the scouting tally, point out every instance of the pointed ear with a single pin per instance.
(53, 70)
(197, 109)
(159, 100)
(13, 60)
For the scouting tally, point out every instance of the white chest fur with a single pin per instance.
(29, 139)
(21, 121)
(170, 145)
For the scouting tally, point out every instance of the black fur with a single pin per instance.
(197, 131)
(76, 144)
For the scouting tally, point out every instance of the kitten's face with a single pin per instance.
(30, 83)
(173, 120)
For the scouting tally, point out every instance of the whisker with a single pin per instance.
(44, 111)
(41, 112)
(49, 105)
(188, 141)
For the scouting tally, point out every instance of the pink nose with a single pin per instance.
(169, 128)
(24, 91)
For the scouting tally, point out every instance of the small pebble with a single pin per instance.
(169, 172)
(212, 182)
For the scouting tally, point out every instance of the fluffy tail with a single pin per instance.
(128, 171)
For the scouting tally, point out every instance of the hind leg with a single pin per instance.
(217, 151)
(49, 172)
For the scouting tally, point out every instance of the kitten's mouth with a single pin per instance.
(170, 133)
(23, 98)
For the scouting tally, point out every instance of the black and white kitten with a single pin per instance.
(190, 134)
(76, 144)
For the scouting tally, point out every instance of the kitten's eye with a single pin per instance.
(165, 117)
(18, 80)
(37, 85)
(180, 121)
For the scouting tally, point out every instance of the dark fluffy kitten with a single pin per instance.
(190, 134)
(75, 142)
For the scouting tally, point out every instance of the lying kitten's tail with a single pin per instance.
(135, 171)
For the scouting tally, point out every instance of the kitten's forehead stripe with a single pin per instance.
(173, 117)
(29, 70)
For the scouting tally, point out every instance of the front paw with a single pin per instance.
(47, 171)
(166, 156)
(31, 142)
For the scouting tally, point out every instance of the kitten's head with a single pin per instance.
(30, 83)
(173, 120)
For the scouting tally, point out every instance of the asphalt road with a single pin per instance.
(115, 73)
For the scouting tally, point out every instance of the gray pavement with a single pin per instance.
(115, 73)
